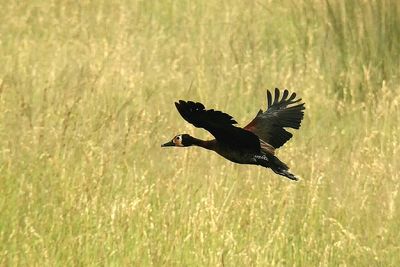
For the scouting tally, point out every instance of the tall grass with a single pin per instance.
(86, 99)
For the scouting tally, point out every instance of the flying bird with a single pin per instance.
(253, 144)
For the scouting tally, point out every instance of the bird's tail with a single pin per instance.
(285, 173)
(282, 169)
(276, 165)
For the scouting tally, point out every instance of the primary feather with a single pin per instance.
(270, 125)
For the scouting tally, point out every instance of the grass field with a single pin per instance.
(86, 99)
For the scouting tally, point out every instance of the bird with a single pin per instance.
(254, 144)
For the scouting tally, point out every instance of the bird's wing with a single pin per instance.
(270, 125)
(219, 124)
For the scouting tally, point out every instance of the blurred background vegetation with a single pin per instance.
(86, 98)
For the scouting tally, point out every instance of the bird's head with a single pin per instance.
(180, 140)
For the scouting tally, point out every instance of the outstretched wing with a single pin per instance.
(219, 124)
(270, 125)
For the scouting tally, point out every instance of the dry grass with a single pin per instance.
(86, 99)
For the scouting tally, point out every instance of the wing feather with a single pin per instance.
(219, 124)
(282, 113)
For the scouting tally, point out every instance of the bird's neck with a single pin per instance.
(207, 144)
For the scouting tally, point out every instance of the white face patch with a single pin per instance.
(178, 140)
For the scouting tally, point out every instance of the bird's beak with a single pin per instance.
(170, 143)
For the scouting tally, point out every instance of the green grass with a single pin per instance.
(86, 99)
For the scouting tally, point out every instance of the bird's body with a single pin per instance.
(255, 143)
(232, 154)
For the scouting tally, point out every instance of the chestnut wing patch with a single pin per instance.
(282, 113)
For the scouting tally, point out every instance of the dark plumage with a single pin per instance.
(253, 144)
